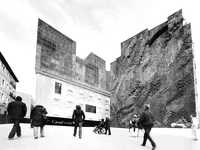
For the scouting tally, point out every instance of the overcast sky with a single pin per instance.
(97, 26)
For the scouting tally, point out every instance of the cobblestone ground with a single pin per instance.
(60, 138)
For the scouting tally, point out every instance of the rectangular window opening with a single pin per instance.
(58, 87)
(90, 108)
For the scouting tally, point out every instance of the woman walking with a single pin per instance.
(38, 119)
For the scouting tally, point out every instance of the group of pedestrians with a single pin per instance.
(144, 121)
(78, 118)
(17, 111)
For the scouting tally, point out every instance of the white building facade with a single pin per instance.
(60, 98)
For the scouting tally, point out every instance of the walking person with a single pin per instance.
(147, 121)
(134, 122)
(194, 127)
(16, 112)
(78, 117)
(130, 125)
(107, 126)
(38, 119)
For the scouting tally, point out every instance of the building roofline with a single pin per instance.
(8, 67)
(50, 26)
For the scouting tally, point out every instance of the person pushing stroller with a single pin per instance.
(100, 128)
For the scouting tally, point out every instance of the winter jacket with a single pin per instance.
(38, 116)
(16, 110)
(146, 119)
(78, 116)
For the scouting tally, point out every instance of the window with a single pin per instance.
(90, 108)
(12, 83)
(58, 87)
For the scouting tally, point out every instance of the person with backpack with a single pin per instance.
(16, 112)
(38, 119)
(146, 120)
(78, 117)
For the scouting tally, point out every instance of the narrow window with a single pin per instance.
(58, 87)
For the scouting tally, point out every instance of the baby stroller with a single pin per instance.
(100, 129)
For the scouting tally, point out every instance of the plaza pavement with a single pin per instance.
(60, 138)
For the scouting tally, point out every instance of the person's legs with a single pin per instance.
(149, 137)
(145, 137)
(106, 129)
(134, 128)
(80, 130)
(138, 132)
(35, 132)
(42, 131)
(109, 132)
(75, 129)
(13, 130)
(18, 129)
(194, 131)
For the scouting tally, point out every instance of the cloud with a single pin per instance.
(17, 22)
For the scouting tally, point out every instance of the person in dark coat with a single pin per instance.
(38, 118)
(78, 117)
(147, 121)
(16, 112)
(107, 126)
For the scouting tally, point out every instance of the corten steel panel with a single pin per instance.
(55, 51)
(95, 72)
(155, 67)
